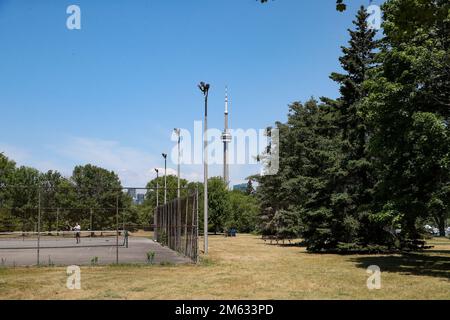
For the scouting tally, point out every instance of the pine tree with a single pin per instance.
(249, 190)
(353, 195)
(287, 224)
(309, 158)
(315, 164)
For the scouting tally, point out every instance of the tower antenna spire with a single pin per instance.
(226, 138)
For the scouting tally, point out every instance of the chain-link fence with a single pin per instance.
(176, 225)
(41, 226)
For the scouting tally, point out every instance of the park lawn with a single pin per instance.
(247, 268)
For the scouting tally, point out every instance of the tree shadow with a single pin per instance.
(428, 263)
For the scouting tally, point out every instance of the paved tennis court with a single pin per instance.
(67, 252)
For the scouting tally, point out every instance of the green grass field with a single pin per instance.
(247, 268)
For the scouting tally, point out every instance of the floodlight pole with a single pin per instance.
(178, 220)
(178, 133)
(204, 88)
(155, 218)
(165, 177)
(157, 187)
(117, 228)
(39, 226)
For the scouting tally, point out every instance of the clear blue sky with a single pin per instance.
(112, 92)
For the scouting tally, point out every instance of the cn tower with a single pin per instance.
(226, 138)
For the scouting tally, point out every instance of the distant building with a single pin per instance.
(132, 193)
(140, 198)
(240, 187)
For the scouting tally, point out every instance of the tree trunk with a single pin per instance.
(442, 228)
(440, 221)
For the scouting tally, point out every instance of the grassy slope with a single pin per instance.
(246, 268)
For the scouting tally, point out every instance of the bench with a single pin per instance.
(276, 238)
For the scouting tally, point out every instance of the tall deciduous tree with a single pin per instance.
(7, 168)
(218, 204)
(244, 211)
(96, 189)
(147, 209)
(408, 108)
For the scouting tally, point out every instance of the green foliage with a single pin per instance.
(244, 211)
(309, 158)
(219, 210)
(89, 188)
(7, 168)
(357, 169)
(250, 190)
(352, 196)
(408, 110)
(151, 257)
(94, 261)
(98, 189)
(147, 209)
(287, 224)
(340, 5)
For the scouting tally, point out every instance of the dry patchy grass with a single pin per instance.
(247, 268)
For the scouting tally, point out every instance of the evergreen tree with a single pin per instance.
(249, 190)
(287, 224)
(314, 165)
(302, 188)
(268, 192)
(352, 197)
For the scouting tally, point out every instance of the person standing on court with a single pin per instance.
(77, 230)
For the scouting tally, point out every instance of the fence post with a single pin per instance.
(155, 224)
(186, 239)
(179, 220)
(91, 222)
(196, 228)
(57, 221)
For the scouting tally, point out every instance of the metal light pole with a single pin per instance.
(178, 220)
(117, 229)
(155, 220)
(157, 187)
(39, 227)
(204, 88)
(165, 177)
(178, 133)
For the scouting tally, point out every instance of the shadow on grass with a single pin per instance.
(428, 263)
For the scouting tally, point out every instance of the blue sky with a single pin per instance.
(111, 93)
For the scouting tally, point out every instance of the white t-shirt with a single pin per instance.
(77, 228)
